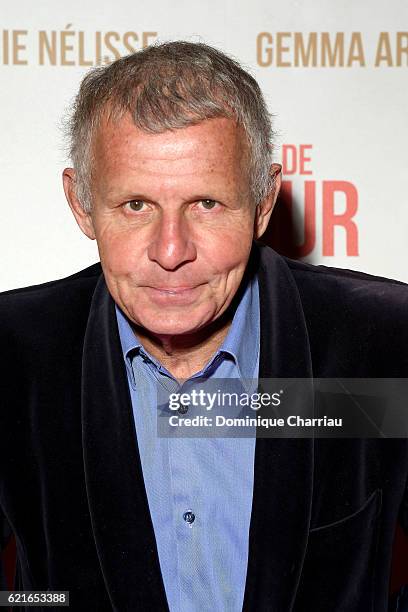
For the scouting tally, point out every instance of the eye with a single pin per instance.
(208, 204)
(135, 205)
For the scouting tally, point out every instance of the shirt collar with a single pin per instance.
(241, 342)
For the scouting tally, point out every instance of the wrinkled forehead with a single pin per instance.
(209, 144)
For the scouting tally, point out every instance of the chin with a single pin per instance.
(166, 328)
(168, 324)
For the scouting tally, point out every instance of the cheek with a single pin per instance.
(229, 249)
(119, 252)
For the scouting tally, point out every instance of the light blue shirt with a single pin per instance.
(199, 490)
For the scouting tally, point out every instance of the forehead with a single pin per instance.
(214, 145)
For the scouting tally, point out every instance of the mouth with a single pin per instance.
(173, 290)
(173, 295)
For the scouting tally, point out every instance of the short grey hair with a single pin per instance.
(168, 86)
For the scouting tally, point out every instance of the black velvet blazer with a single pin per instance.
(71, 485)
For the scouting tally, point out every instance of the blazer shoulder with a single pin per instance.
(300, 268)
(357, 321)
(319, 284)
(349, 288)
(48, 309)
(90, 273)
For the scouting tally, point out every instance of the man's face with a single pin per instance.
(173, 220)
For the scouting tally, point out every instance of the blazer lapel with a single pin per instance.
(283, 481)
(118, 505)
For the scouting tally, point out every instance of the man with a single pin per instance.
(173, 176)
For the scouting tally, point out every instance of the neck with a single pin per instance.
(187, 354)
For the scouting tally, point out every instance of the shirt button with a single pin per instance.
(182, 409)
(189, 517)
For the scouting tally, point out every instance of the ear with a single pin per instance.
(265, 208)
(83, 218)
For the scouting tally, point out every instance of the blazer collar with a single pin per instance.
(118, 505)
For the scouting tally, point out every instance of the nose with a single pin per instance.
(171, 245)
